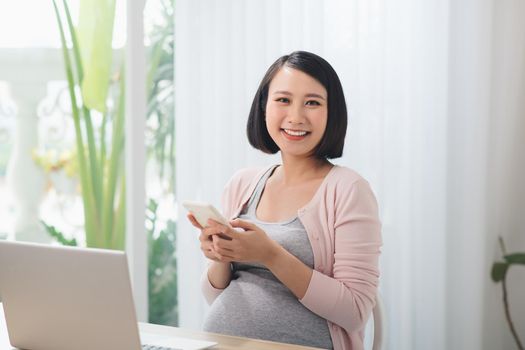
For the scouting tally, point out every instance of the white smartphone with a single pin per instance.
(204, 211)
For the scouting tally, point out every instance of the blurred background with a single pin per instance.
(154, 109)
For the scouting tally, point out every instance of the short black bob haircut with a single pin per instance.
(332, 142)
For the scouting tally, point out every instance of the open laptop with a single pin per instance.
(65, 298)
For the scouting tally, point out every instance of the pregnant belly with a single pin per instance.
(261, 307)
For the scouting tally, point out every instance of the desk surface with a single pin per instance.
(223, 342)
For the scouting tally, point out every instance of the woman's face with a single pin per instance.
(296, 112)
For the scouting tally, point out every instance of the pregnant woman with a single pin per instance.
(299, 261)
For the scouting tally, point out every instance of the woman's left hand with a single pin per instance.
(250, 245)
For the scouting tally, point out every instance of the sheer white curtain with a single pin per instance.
(486, 162)
(436, 123)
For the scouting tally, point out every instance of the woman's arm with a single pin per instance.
(291, 271)
(209, 290)
(347, 297)
(219, 274)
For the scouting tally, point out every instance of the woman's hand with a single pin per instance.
(251, 244)
(219, 272)
(206, 239)
(246, 242)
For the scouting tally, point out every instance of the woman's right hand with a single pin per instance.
(219, 273)
(206, 239)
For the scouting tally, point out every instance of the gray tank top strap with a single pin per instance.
(250, 208)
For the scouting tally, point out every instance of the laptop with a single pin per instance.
(65, 298)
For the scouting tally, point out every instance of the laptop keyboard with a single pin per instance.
(155, 347)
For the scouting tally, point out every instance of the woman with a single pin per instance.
(299, 263)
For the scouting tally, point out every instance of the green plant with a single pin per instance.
(160, 145)
(160, 126)
(162, 269)
(60, 238)
(499, 274)
(88, 66)
(100, 164)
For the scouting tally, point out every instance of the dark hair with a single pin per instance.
(332, 142)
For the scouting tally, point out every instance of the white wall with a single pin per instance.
(505, 170)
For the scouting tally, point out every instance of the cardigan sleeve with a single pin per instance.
(208, 290)
(348, 297)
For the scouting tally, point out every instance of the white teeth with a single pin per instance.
(295, 133)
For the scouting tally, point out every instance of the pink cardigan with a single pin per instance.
(344, 230)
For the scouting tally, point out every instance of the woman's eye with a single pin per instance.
(283, 100)
(313, 103)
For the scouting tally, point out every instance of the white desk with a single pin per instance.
(223, 342)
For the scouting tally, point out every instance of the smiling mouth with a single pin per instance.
(297, 133)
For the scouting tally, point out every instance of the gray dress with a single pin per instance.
(256, 304)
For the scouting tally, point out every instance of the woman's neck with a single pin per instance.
(297, 170)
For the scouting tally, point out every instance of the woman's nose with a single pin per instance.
(296, 115)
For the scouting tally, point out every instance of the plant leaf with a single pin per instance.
(115, 165)
(95, 34)
(74, 41)
(84, 174)
(119, 231)
(499, 270)
(93, 163)
(59, 236)
(515, 258)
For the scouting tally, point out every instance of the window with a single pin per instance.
(40, 182)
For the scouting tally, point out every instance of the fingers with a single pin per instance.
(221, 243)
(211, 231)
(194, 221)
(223, 251)
(212, 240)
(226, 232)
(207, 250)
(213, 250)
(224, 256)
(210, 253)
(246, 225)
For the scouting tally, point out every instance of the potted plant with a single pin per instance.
(499, 274)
